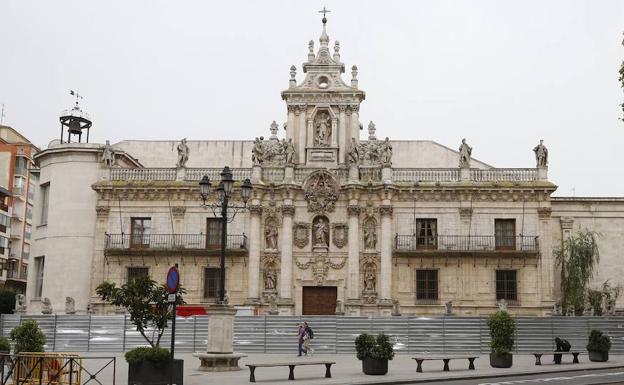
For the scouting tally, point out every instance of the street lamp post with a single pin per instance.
(220, 355)
(224, 193)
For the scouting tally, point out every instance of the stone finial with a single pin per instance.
(311, 50)
(274, 128)
(293, 73)
(354, 74)
(371, 131)
(337, 51)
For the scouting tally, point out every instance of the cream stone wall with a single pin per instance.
(605, 216)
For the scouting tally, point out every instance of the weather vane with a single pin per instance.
(2, 114)
(76, 94)
(324, 12)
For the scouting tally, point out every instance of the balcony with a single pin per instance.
(14, 275)
(464, 244)
(168, 244)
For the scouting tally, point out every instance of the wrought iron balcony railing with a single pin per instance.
(464, 243)
(173, 242)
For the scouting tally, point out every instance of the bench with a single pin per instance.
(556, 356)
(291, 366)
(445, 358)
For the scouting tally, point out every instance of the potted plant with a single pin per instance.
(598, 346)
(148, 306)
(374, 353)
(502, 330)
(5, 346)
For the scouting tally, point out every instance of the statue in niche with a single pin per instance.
(370, 235)
(108, 155)
(354, 153)
(541, 154)
(183, 153)
(320, 232)
(386, 153)
(70, 305)
(465, 152)
(289, 149)
(46, 306)
(270, 279)
(270, 235)
(370, 280)
(323, 129)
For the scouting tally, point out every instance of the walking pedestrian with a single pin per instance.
(308, 336)
(300, 337)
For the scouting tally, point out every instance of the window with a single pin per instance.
(505, 234)
(31, 191)
(506, 285)
(4, 202)
(3, 244)
(426, 233)
(5, 221)
(136, 272)
(39, 265)
(26, 252)
(27, 231)
(45, 197)
(427, 285)
(213, 233)
(29, 211)
(212, 278)
(139, 232)
(18, 185)
(24, 272)
(21, 165)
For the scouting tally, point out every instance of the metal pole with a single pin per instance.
(173, 323)
(223, 241)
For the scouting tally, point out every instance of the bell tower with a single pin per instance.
(323, 111)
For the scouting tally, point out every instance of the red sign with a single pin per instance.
(173, 280)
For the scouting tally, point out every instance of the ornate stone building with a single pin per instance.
(336, 223)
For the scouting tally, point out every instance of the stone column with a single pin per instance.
(253, 272)
(353, 279)
(290, 126)
(302, 128)
(355, 124)
(288, 211)
(546, 263)
(386, 254)
(98, 267)
(342, 134)
(220, 355)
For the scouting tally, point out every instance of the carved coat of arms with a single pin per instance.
(301, 234)
(321, 192)
(340, 234)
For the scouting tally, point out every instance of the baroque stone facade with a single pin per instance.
(334, 223)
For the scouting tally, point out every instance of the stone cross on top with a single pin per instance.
(324, 12)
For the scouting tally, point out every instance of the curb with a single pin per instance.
(484, 376)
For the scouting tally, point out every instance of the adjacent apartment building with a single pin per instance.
(18, 178)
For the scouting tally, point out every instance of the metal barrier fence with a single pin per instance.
(332, 334)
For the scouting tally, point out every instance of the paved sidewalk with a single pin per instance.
(348, 370)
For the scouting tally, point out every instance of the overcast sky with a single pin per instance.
(501, 74)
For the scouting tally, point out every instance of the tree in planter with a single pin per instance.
(28, 337)
(576, 258)
(598, 346)
(502, 331)
(374, 352)
(594, 297)
(146, 302)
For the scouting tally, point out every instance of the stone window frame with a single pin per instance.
(129, 276)
(513, 298)
(424, 300)
(217, 272)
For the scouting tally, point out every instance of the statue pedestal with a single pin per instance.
(354, 174)
(256, 174)
(289, 173)
(386, 175)
(464, 174)
(220, 356)
(322, 156)
(542, 173)
(180, 173)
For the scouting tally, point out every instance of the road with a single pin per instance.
(581, 377)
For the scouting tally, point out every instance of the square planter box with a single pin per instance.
(149, 373)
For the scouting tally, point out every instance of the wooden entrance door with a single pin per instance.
(319, 300)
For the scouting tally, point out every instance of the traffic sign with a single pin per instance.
(173, 279)
(171, 298)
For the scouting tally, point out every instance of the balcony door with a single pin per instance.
(505, 234)
(140, 232)
(426, 233)
(213, 233)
